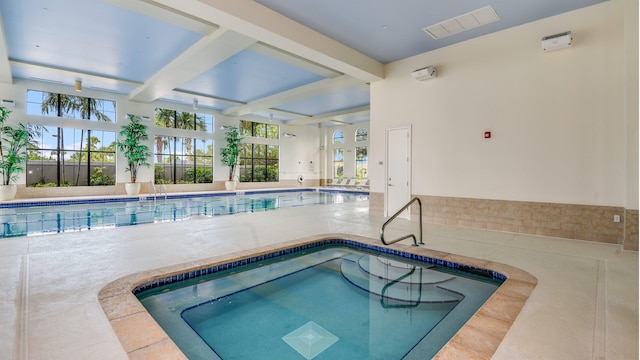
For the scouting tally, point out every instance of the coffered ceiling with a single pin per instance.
(298, 61)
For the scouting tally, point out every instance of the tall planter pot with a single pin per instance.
(230, 185)
(132, 188)
(8, 192)
(134, 149)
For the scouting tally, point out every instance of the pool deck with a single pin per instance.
(585, 305)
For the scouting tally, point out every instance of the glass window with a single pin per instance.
(273, 132)
(259, 130)
(184, 120)
(259, 163)
(202, 172)
(361, 134)
(71, 157)
(338, 137)
(338, 164)
(164, 160)
(361, 162)
(181, 160)
(69, 106)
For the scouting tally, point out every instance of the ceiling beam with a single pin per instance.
(202, 56)
(286, 97)
(340, 115)
(207, 96)
(265, 25)
(70, 73)
(5, 67)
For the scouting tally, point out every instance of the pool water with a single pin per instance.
(335, 303)
(20, 219)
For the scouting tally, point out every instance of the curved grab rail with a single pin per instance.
(406, 206)
(383, 293)
(155, 191)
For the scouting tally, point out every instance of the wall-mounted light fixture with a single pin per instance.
(8, 103)
(195, 104)
(141, 117)
(78, 86)
(225, 127)
(288, 135)
(425, 73)
(557, 41)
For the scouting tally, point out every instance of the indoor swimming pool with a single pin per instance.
(44, 217)
(334, 299)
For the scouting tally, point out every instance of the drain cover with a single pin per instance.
(310, 340)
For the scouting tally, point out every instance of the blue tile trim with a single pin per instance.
(173, 196)
(350, 243)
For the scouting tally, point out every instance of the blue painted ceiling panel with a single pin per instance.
(392, 30)
(248, 75)
(91, 36)
(329, 102)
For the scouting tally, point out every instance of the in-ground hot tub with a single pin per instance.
(400, 302)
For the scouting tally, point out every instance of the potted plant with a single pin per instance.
(13, 156)
(133, 148)
(230, 155)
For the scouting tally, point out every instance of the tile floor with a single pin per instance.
(585, 305)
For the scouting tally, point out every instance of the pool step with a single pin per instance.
(386, 268)
(395, 282)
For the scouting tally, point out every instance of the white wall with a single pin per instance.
(557, 119)
(300, 155)
(631, 99)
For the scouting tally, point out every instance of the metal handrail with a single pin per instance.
(155, 193)
(415, 243)
(165, 191)
(389, 285)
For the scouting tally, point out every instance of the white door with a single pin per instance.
(398, 170)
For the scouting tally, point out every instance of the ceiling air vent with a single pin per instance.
(468, 21)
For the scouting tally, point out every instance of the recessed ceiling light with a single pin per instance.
(470, 20)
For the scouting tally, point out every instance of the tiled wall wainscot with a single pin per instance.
(631, 230)
(376, 204)
(581, 222)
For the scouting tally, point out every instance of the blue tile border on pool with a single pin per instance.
(148, 197)
(234, 264)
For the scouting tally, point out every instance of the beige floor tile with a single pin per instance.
(576, 279)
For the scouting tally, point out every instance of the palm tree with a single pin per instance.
(63, 104)
(163, 118)
(185, 120)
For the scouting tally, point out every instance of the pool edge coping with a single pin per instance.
(100, 199)
(141, 336)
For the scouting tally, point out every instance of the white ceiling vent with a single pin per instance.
(470, 20)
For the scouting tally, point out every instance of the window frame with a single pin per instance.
(184, 165)
(362, 165)
(62, 154)
(338, 164)
(249, 163)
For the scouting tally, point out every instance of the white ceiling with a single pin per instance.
(302, 61)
